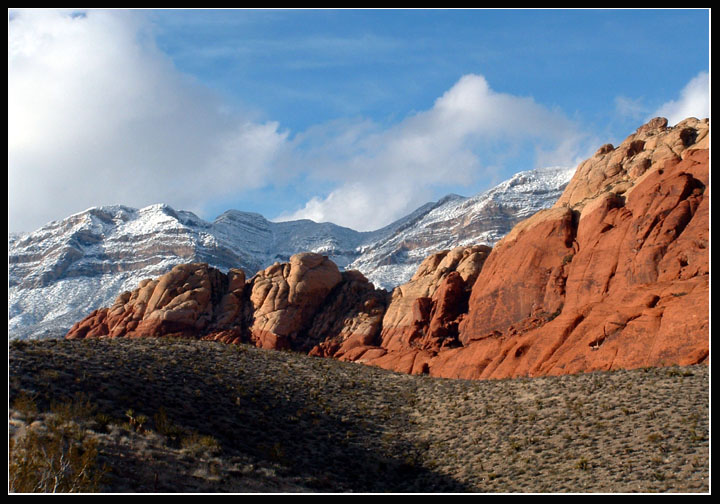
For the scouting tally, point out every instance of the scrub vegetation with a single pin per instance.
(161, 415)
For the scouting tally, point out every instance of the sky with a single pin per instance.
(355, 117)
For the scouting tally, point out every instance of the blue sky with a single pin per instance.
(311, 66)
(350, 116)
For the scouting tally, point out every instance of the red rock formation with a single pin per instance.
(275, 309)
(350, 321)
(189, 300)
(615, 275)
(424, 314)
(285, 297)
(521, 281)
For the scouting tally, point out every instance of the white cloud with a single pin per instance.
(385, 174)
(98, 115)
(694, 101)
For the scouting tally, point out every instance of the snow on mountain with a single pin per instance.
(454, 221)
(64, 270)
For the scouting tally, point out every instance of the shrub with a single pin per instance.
(19, 345)
(78, 409)
(61, 460)
(583, 464)
(25, 405)
(136, 422)
(165, 426)
(197, 443)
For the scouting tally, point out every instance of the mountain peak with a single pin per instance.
(449, 197)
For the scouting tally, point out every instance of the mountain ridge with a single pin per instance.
(67, 268)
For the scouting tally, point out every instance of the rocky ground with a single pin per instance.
(161, 415)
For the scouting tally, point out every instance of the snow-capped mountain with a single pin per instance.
(455, 220)
(61, 272)
(67, 268)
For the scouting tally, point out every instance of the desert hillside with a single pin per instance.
(168, 415)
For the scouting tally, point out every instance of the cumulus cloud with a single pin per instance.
(464, 136)
(694, 101)
(97, 114)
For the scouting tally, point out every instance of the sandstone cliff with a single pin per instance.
(615, 275)
(423, 315)
(285, 297)
(190, 300)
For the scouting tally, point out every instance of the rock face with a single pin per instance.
(423, 315)
(285, 297)
(614, 275)
(192, 299)
(351, 321)
(298, 305)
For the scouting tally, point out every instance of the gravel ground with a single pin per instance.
(189, 416)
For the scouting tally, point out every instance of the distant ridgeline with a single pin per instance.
(63, 271)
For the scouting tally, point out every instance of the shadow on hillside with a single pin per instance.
(311, 434)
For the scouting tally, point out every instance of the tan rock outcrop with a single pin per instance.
(189, 300)
(349, 323)
(423, 315)
(285, 297)
(427, 296)
(284, 306)
(617, 169)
